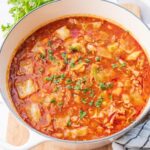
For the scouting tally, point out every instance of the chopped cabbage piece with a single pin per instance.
(26, 88)
(78, 132)
(63, 33)
(26, 67)
(35, 112)
(104, 53)
(134, 55)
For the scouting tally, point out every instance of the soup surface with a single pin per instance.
(79, 78)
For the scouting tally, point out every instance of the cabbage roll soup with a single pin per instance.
(79, 78)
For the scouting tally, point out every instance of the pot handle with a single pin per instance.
(34, 139)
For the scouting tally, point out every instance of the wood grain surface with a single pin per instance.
(18, 134)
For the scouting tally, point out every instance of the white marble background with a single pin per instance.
(5, 17)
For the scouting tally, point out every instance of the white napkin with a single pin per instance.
(136, 139)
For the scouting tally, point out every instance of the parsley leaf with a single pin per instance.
(82, 114)
(53, 101)
(84, 100)
(105, 86)
(69, 123)
(19, 8)
(64, 56)
(91, 103)
(99, 102)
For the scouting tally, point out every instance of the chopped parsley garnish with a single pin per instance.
(111, 97)
(75, 47)
(91, 93)
(105, 86)
(69, 87)
(60, 103)
(97, 58)
(91, 103)
(69, 123)
(56, 89)
(85, 90)
(19, 8)
(55, 78)
(53, 101)
(84, 100)
(109, 85)
(64, 56)
(80, 61)
(68, 81)
(82, 114)
(49, 78)
(123, 64)
(42, 56)
(62, 76)
(50, 55)
(77, 87)
(56, 81)
(87, 60)
(114, 66)
(99, 102)
(72, 63)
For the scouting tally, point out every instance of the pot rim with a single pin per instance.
(110, 137)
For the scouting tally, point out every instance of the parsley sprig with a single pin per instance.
(19, 9)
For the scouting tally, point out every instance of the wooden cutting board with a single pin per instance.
(18, 134)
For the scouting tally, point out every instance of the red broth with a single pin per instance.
(79, 78)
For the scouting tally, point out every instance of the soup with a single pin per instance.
(79, 78)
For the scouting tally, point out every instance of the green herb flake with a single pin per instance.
(52, 58)
(77, 87)
(111, 97)
(85, 90)
(114, 66)
(60, 104)
(99, 102)
(109, 85)
(56, 81)
(84, 100)
(69, 87)
(87, 60)
(62, 76)
(68, 81)
(75, 47)
(53, 101)
(97, 58)
(82, 114)
(50, 51)
(91, 93)
(91, 103)
(72, 63)
(105, 86)
(69, 123)
(50, 55)
(64, 56)
(42, 56)
(56, 89)
(49, 78)
(123, 65)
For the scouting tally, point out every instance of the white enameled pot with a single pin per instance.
(46, 14)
